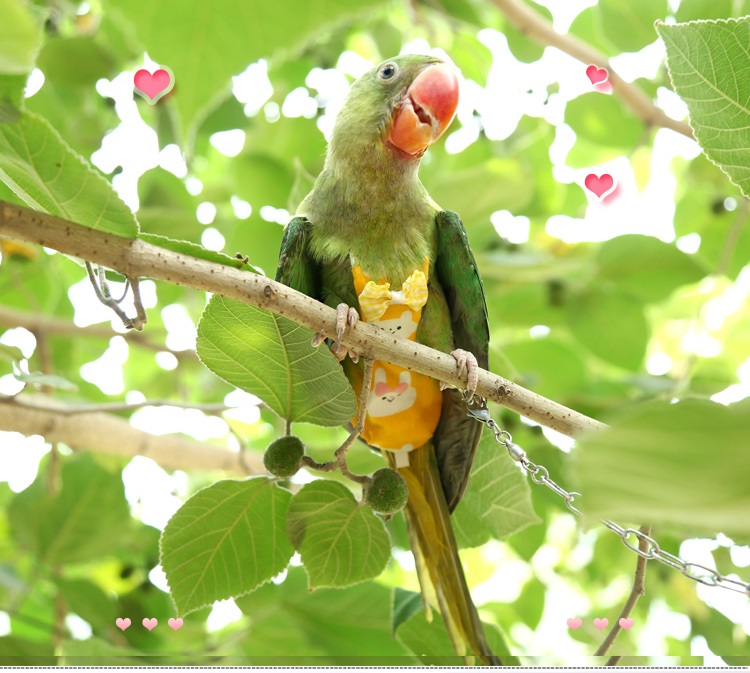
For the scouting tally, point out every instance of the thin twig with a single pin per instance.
(328, 466)
(341, 452)
(539, 29)
(639, 588)
(136, 258)
(111, 407)
(140, 313)
(339, 462)
(101, 289)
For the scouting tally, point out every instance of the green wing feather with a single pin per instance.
(297, 269)
(457, 435)
(459, 278)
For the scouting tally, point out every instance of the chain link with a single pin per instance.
(540, 475)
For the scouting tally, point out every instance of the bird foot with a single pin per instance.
(346, 318)
(467, 363)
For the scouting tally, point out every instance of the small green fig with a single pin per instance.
(283, 456)
(387, 492)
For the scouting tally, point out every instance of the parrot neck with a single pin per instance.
(369, 204)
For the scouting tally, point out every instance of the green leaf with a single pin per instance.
(692, 10)
(710, 70)
(405, 604)
(497, 503)
(630, 25)
(342, 542)
(263, 180)
(271, 357)
(478, 191)
(88, 601)
(523, 47)
(96, 652)
(75, 61)
(428, 641)
(79, 114)
(473, 58)
(293, 624)
(587, 27)
(51, 380)
(431, 644)
(20, 36)
(40, 167)
(530, 603)
(527, 304)
(546, 366)
(226, 540)
(718, 630)
(697, 212)
(668, 267)
(84, 521)
(204, 46)
(10, 353)
(229, 115)
(463, 10)
(15, 652)
(12, 89)
(683, 465)
(193, 250)
(604, 120)
(611, 325)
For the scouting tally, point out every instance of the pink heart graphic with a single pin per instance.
(122, 624)
(175, 623)
(626, 623)
(601, 624)
(150, 623)
(152, 87)
(575, 623)
(597, 75)
(600, 185)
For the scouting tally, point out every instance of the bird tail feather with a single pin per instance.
(436, 554)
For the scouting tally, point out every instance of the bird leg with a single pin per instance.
(346, 318)
(467, 363)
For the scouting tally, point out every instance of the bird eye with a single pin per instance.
(388, 71)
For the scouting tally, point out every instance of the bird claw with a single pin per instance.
(467, 363)
(346, 319)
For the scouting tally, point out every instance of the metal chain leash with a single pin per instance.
(540, 475)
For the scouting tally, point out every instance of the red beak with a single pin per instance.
(427, 109)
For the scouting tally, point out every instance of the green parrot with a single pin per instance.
(369, 241)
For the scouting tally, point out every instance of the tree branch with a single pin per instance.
(539, 29)
(639, 588)
(136, 258)
(104, 433)
(46, 404)
(40, 323)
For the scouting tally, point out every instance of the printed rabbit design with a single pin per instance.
(387, 401)
(403, 327)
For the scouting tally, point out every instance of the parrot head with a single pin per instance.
(405, 104)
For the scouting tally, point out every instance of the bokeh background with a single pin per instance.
(644, 295)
